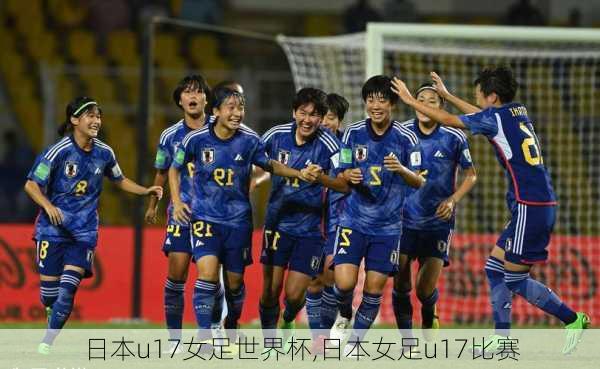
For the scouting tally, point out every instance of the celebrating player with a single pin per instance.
(530, 196)
(428, 216)
(222, 154)
(321, 306)
(292, 235)
(376, 152)
(66, 182)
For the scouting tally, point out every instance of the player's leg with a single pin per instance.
(50, 269)
(314, 296)
(529, 247)
(350, 248)
(329, 308)
(403, 310)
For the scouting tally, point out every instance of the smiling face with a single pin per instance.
(88, 123)
(307, 120)
(331, 121)
(193, 101)
(429, 98)
(230, 113)
(379, 109)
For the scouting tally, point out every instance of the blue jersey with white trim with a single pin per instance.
(169, 141)
(374, 206)
(442, 152)
(518, 150)
(335, 203)
(71, 179)
(296, 207)
(221, 173)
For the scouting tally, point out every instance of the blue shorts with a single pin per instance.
(421, 244)
(177, 239)
(330, 243)
(52, 256)
(300, 254)
(231, 245)
(381, 253)
(527, 235)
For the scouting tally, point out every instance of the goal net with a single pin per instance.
(558, 71)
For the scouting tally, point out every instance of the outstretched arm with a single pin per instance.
(160, 179)
(130, 186)
(461, 104)
(438, 115)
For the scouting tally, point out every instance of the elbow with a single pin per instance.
(27, 187)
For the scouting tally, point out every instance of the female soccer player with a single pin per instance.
(190, 95)
(376, 153)
(428, 215)
(530, 196)
(321, 306)
(66, 182)
(219, 208)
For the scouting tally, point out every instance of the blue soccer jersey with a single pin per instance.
(169, 141)
(296, 207)
(221, 173)
(442, 152)
(335, 204)
(72, 181)
(374, 207)
(518, 150)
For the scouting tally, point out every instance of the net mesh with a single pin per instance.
(559, 84)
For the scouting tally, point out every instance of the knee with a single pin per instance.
(295, 296)
(208, 275)
(177, 274)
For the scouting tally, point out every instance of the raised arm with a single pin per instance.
(460, 104)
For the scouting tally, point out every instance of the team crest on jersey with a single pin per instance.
(70, 169)
(283, 157)
(360, 153)
(208, 155)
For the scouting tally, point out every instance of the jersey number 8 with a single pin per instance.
(530, 147)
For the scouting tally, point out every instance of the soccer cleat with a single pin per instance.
(43, 349)
(493, 345)
(340, 331)
(575, 331)
(288, 330)
(349, 349)
(318, 345)
(48, 313)
(430, 333)
(173, 349)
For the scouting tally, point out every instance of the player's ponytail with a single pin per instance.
(77, 107)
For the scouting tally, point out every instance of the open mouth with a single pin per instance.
(193, 104)
(377, 115)
(305, 128)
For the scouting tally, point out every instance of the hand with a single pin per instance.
(181, 212)
(439, 85)
(445, 209)
(400, 89)
(311, 173)
(55, 215)
(150, 216)
(156, 190)
(392, 164)
(353, 176)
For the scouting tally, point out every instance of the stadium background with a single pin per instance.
(54, 50)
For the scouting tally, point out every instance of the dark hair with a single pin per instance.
(223, 84)
(379, 85)
(338, 105)
(76, 108)
(499, 80)
(221, 94)
(310, 95)
(431, 87)
(194, 81)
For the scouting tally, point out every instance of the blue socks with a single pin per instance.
(174, 306)
(218, 307)
(366, 314)
(61, 310)
(539, 295)
(235, 303)
(291, 310)
(269, 315)
(344, 302)
(500, 295)
(428, 308)
(49, 292)
(313, 311)
(403, 309)
(329, 307)
(204, 302)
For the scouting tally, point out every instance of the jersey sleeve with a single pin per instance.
(163, 155)
(346, 157)
(41, 170)
(483, 122)
(464, 158)
(113, 170)
(184, 153)
(259, 155)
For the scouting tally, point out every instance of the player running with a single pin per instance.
(222, 154)
(376, 153)
(530, 196)
(292, 235)
(66, 182)
(428, 216)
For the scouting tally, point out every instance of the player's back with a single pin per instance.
(511, 132)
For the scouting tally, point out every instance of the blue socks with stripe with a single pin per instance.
(313, 311)
(61, 310)
(235, 303)
(204, 302)
(366, 314)
(344, 302)
(174, 303)
(329, 307)
(500, 295)
(539, 295)
(49, 292)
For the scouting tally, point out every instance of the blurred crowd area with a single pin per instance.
(54, 50)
